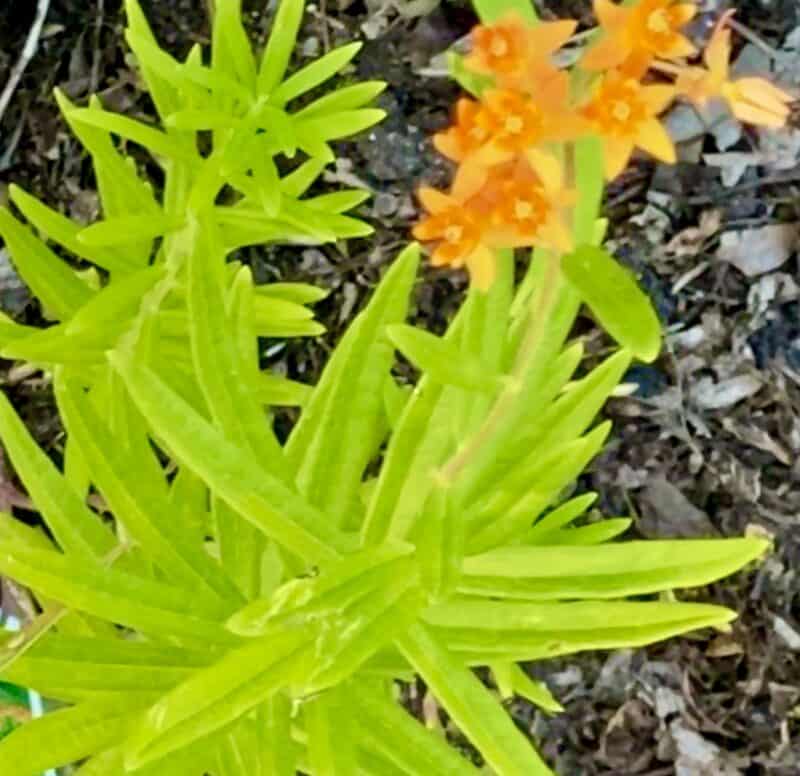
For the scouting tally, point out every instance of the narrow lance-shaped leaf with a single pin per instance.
(139, 500)
(224, 375)
(228, 471)
(347, 402)
(606, 571)
(217, 696)
(481, 632)
(71, 734)
(491, 10)
(331, 734)
(231, 49)
(615, 298)
(314, 74)
(76, 528)
(282, 38)
(54, 283)
(163, 94)
(443, 361)
(113, 595)
(471, 706)
(65, 232)
(388, 729)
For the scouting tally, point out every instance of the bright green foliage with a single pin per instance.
(250, 607)
(230, 175)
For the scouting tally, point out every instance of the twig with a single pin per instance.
(28, 50)
(94, 77)
(750, 36)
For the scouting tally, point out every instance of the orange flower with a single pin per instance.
(459, 232)
(752, 100)
(528, 204)
(634, 35)
(472, 130)
(512, 50)
(509, 123)
(623, 113)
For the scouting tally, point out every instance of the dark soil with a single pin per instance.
(685, 458)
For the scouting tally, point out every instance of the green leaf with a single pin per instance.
(299, 181)
(299, 293)
(442, 360)
(471, 706)
(154, 140)
(335, 126)
(126, 229)
(346, 405)
(311, 76)
(279, 755)
(483, 631)
(343, 99)
(590, 183)
(331, 734)
(614, 297)
(282, 38)
(563, 515)
(606, 571)
(228, 470)
(216, 696)
(389, 730)
(122, 192)
(491, 10)
(549, 424)
(370, 624)
(52, 281)
(440, 542)
(162, 93)
(65, 232)
(512, 680)
(77, 529)
(70, 667)
(231, 49)
(595, 533)
(112, 595)
(70, 734)
(339, 585)
(530, 486)
(222, 369)
(277, 391)
(139, 500)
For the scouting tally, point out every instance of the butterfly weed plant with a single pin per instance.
(227, 604)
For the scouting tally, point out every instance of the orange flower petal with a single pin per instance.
(658, 97)
(616, 155)
(610, 14)
(681, 48)
(761, 92)
(434, 201)
(654, 139)
(752, 114)
(548, 168)
(425, 230)
(470, 178)
(446, 143)
(684, 12)
(548, 37)
(555, 235)
(718, 53)
(607, 53)
(482, 267)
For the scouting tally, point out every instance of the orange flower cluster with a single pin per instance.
(510, 189)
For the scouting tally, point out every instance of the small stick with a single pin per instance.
(756, 40)
(28, 50)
